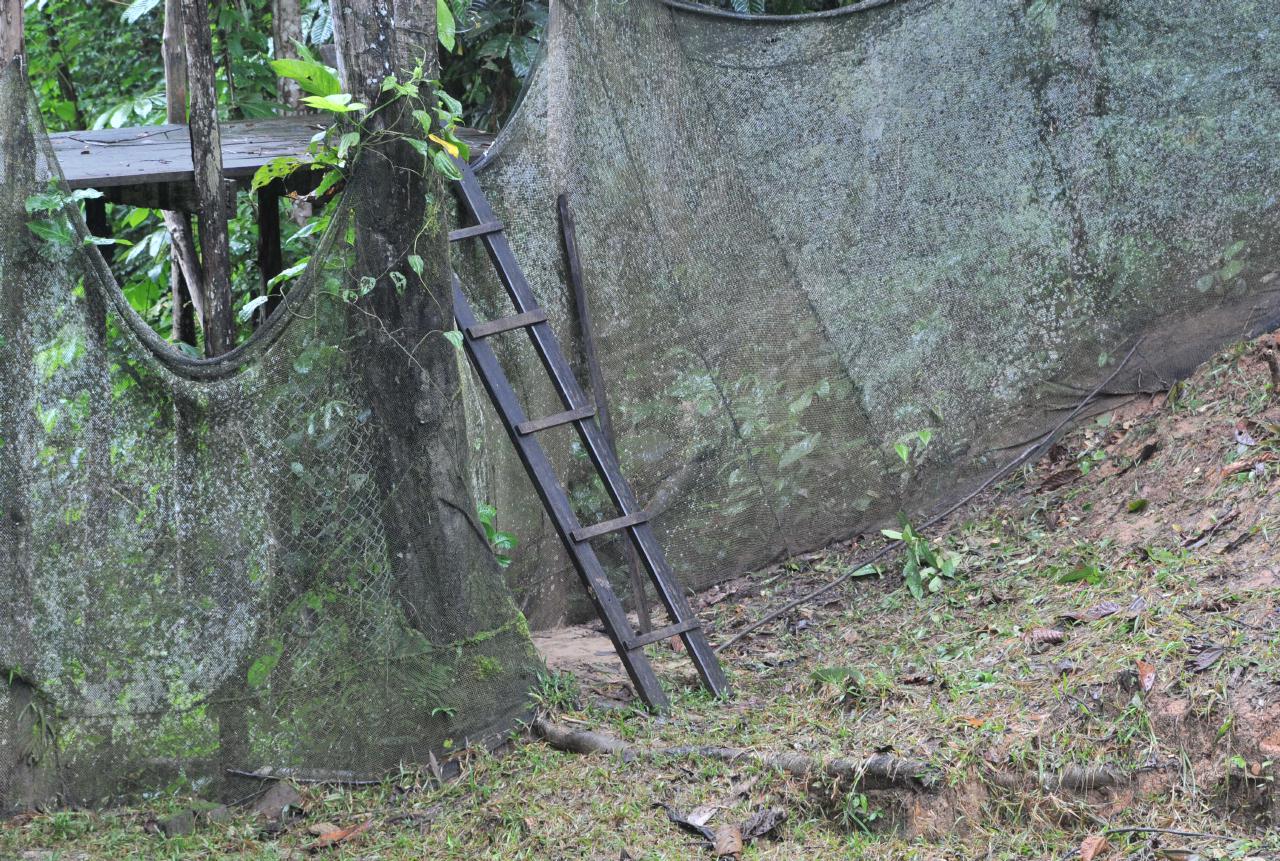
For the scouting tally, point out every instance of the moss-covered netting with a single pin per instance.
(807, 240)
(212, 565)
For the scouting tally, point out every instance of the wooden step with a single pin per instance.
(482, 229)
(657, 635)
(506, 324)
(586, 533)
(536, 425)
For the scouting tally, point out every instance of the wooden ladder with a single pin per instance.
(580, 412)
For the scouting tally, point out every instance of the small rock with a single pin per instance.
(320, 828)
(179, 825)
(276, 800)
(218, 815)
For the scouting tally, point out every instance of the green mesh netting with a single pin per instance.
(805, 239)
(213, 565)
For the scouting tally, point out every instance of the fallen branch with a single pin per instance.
(879, 771)
(1026, 455)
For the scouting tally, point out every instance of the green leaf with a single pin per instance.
(446, 27)
(1083, 574)
(446, 165)
(799, 450)
(314, 78)
(904, 452)
(249, 307)
(1232, 269)
(416, 264)
(1136, 506)
(336, 103)
(261, 669)
(346, 142)
(292, 272)
(455, 338)
(137, 9)
(278, 168)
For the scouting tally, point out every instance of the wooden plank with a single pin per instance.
(554, 421)
(104, 158)
(506, 324)
(474, 230)
(659, 634)
(586, 533)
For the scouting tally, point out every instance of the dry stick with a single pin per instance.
(569, 236)
(1031, 451)
(879, 771)
(1175, 832)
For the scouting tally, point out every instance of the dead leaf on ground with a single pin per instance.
(1146, 676)
(342, 835)
(763, 822)
(1206, 657)
(1046, 636)
(1093, 614)
(1093, 847)
(727, 842)
(682, 821)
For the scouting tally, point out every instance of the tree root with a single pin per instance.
(879, 771)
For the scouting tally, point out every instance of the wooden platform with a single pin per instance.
(151, 165)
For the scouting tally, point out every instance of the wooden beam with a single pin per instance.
(182, 327)
(206, 160)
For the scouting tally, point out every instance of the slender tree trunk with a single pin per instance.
(66, 84)
(447, 580)
(182, 257)
(286, 27)
(10, 31)
(206, 156)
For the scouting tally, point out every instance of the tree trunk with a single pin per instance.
(286, 28)
(447, 579)
(10, 31)
(211, 191)
(66, 84)
(183, 326)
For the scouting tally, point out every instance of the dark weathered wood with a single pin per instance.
(206, 159)
(595, 374)
(10, 31)
(555, 421)
(95, 219)
(547, 346)
(666, 633)
(556, 501)
(182, 244)
(270, 258)
(506, 324)
(617, 524)
(474, 230)
(161, 155)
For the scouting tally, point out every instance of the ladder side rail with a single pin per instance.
(547, 485)
(566, 383)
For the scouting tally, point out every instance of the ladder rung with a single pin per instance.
(506, 324)
(535, 425)
(584, 533)
(641, 640)
(475, 230)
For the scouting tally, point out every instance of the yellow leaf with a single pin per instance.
(451, 149)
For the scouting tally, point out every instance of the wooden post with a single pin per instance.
(174, 56)
(10, 31)
(595, 377)
(270, 260)
(211, 191)
(286, 28)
